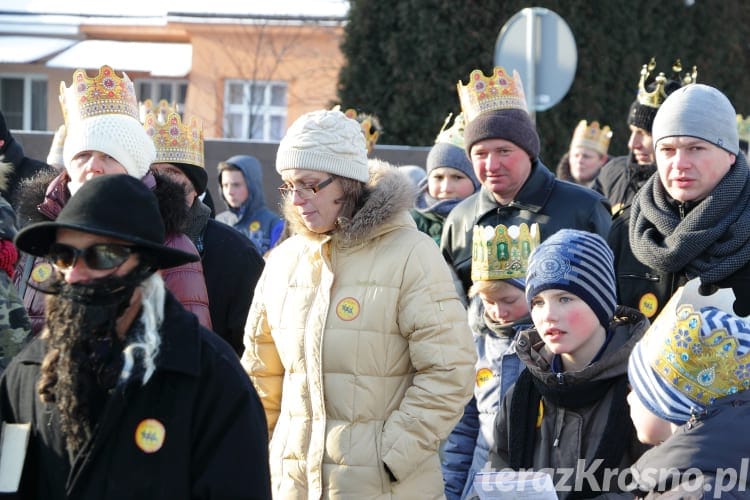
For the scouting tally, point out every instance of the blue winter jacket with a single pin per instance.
(466, 450)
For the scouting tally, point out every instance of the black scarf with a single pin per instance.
(528, 392)
(711, 241)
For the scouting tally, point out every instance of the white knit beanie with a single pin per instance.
(326, 141)
(700, 111)
(120, 136)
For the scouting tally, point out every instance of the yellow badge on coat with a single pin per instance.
(484, 375)
(149, 435)
(254, 225)
(648, 304)
(347, 309)
(41, 272)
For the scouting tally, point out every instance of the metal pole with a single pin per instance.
(530, 61)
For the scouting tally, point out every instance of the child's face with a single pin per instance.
(567, 325)
(650, 428)
(505, 304)
(445, 183)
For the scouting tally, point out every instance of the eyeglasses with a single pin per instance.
(100, 256)
(305, 192)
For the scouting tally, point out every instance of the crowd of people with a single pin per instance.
(381, 335)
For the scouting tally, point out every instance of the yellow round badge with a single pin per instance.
(254, 225)
(484, 375)
(347, 309)
(149, 435)
(41, 272)
(648, 304)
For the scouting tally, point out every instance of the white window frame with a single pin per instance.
(155, 96)
(28, 79)
(245, 109)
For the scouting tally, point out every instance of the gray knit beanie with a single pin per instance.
(700, 111)
(327, 141)
(443, 154)
(513, 125)
(580, 262)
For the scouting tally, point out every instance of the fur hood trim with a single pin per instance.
(389, 193)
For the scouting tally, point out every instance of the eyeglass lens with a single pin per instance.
(99, 257)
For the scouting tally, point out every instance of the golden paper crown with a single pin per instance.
(592, 137)
(160, 110)
(743, 128)
(104, 94)
(370, 127)
(491, 93)
(654, 98)
(454, 134)
(703, 368)
(175, 141)
(502, 252)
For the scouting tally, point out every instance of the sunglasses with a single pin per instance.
(100, 256)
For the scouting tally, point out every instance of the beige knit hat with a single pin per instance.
(326, 141)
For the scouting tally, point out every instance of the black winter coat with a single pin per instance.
(215, 439)
(232, 266)
(552, 203)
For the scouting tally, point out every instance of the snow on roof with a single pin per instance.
(29, 49)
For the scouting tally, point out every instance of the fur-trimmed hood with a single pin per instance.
(388, 194)
(30, 194)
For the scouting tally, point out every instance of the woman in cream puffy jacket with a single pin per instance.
(356, 340)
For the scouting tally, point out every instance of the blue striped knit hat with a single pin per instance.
(579, 262)
(688, 359)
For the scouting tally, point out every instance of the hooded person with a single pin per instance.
(241, 185)
(125, 391)
(374, 367)
(450, 179)
(689, 379)
(103, 136)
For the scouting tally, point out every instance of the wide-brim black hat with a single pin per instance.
(116, 205)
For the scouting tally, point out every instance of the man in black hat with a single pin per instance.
(125, 391)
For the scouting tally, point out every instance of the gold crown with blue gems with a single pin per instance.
(105, 94)
(592, 136)
(491, 93)
(702, 367)
(656, 97)
(175, 141)
(502, 252)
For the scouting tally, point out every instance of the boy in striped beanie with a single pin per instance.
(569, 407)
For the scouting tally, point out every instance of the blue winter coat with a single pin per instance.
(467, 448)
